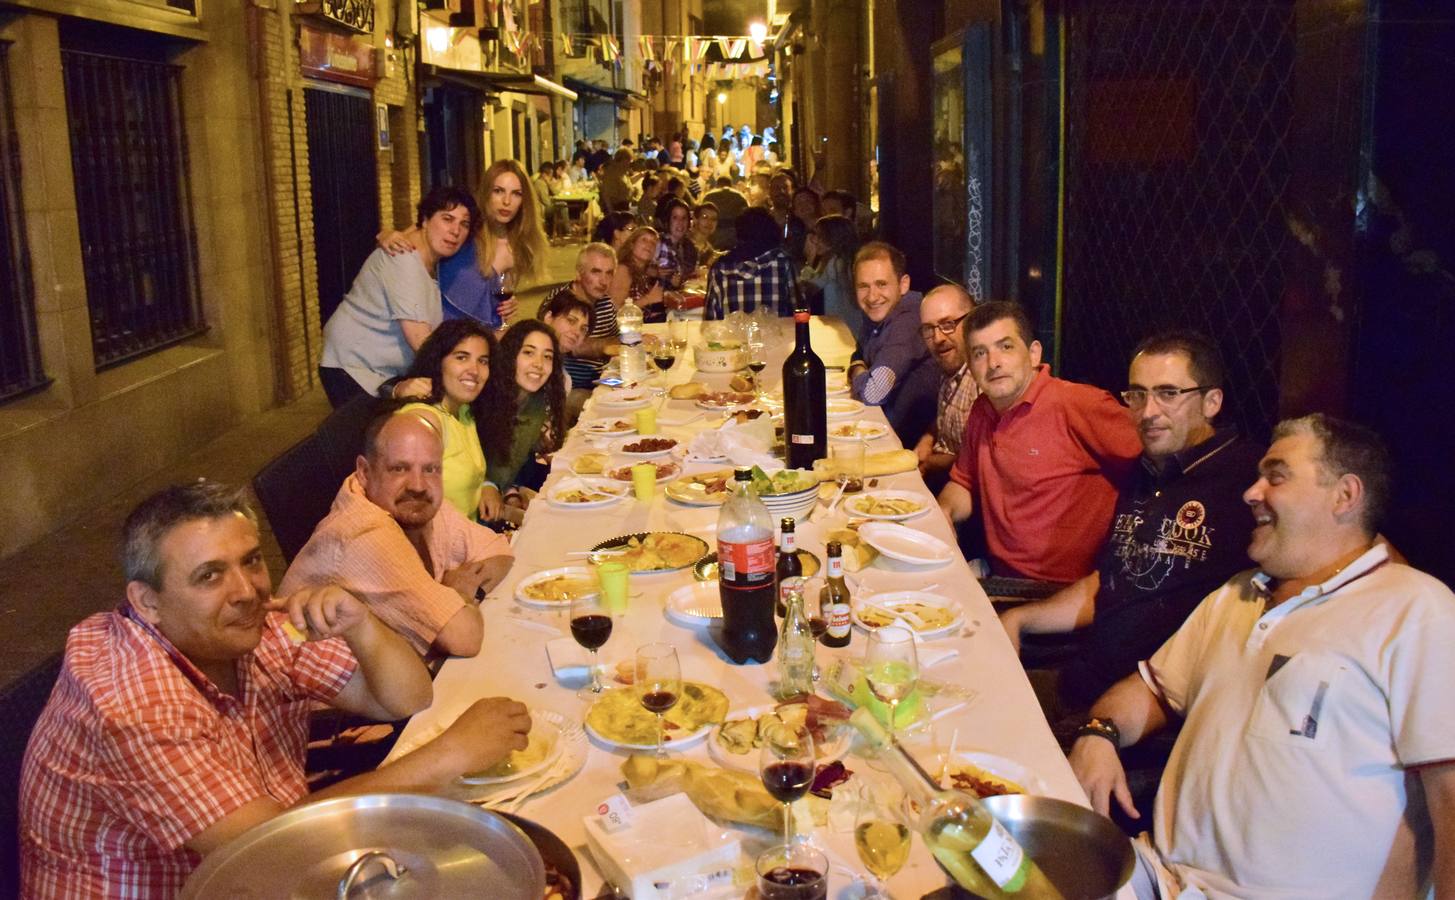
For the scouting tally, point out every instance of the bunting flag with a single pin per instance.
(568, 45)
(610, 51)
(701, 49)
(755, 50)
(649, 52)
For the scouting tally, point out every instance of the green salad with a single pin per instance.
(784, 481)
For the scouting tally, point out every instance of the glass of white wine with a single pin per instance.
(882, 838)
(891, 666)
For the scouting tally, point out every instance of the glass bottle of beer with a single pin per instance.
(790, 568)
(833, 600)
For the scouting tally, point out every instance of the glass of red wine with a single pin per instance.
(508, 282)
(590, 626)
(664, 355)
(659, 678)
(786, 765)
(793, 872)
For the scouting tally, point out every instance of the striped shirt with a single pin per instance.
(766, 279)
(138, 752)
(584, 371)
(359, 547)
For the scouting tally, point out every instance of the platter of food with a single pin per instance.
(645, 447)
(736, 742)
(666, 471)
(650, 552)
(930, 615)
(575, 492)
(705, 569)
(725, 399)
(862, 430)
(703, 489)
(542, 747)
(556, 588)
(618, 719)
(887, 506)
(609, 426)
(843, 407)
(906, 544)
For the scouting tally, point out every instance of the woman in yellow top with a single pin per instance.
(450, 370)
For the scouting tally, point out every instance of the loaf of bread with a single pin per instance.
(687, 390)
(857, 552)
(889, 462)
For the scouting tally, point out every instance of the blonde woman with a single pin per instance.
(636, 274)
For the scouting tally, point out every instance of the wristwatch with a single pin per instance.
(1098, 726)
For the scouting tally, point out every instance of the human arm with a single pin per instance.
(415, 332)
(397, 242)
(1066, 610)
(1438, 782)
(899, 349)
(956, 502)
(1102, 427)
(1137, 713)
(489, 503)
(923, 447)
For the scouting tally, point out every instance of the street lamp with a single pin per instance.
(721, 97)
(758, 32)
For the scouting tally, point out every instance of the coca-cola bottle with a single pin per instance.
(746, 574)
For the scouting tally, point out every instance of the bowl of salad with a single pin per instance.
(719, 356)
(786, 492)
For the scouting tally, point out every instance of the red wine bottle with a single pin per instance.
(805, 415)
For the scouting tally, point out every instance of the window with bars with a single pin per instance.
(133, 197)
(20, 368)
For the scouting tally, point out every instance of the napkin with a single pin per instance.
(668, 849)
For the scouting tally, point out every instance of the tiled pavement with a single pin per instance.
(74, 571)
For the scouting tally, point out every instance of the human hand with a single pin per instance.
(413, 389)
(1098, 767)
(1010, 620)
(323, 611)
(467, 578)
(486, 733)
(395, 242)
(507, 308)
(490, 503)
(922, 449)
(495, 569)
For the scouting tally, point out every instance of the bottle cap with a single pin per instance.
(786, 523)
(743, 473)
(834, 548)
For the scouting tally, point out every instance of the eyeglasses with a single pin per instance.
(944, 326)
(1136, 398)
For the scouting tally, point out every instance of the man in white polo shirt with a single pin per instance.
(1317, 758)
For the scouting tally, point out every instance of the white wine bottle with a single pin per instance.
(976, 850)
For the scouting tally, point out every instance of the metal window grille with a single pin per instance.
(20, 367)
(133, 196)
(1178, 116)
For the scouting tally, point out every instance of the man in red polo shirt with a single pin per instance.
(180, 720)
(1044, 457)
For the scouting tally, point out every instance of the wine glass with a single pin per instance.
(659, 678)
(757, 362)
(881, 837)
(509, 281)
(676, 331)
(786, 765)
(891, 666)
(664, 354)
(590, 626)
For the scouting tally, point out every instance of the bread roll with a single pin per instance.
(889, 462)
(687, 390)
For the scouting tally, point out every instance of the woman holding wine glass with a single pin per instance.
(786, 764)
(591, 627)
(636, 275)
(659, 679)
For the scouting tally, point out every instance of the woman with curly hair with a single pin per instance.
(526, 399)
(636, 275)
(449, 374)
(509, 251)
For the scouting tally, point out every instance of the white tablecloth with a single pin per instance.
(1004, 717)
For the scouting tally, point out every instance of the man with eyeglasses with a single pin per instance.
(940, 314)
(1043, 458)
(1179, 530)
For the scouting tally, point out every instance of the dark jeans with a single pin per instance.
(339, 386)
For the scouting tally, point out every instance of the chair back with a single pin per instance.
(297, 488)
(21, 704)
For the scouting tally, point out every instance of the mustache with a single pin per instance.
(421, 496)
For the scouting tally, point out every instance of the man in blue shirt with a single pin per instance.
(891, 368)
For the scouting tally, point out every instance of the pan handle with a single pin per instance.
(393, 869)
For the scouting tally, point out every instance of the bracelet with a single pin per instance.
(1102, 728)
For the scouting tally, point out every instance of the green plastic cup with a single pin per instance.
(614, 577)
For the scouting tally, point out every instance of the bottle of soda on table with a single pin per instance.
(746, 570)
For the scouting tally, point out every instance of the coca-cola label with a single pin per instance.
(738, 561)
(802, 439)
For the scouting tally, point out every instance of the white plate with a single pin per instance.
(836, 382)
(620, 447)
(695, 604)
(720, 405)
(683, 491)
(829, 751)
(851, 505)
(684, 455)
(999, 766)
(608, 492)
(623, 398)
(600, 426)
(894, 599)
(840, 391)
(677, 743)
(844, 407)
(550, 732)
(864, 430)
(906, 544)
(569, 571)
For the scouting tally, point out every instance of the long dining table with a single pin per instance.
(996, 711)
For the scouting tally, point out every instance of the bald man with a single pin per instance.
(942, 314)
(416, 562)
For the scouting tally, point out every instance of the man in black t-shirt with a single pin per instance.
(1178, 533)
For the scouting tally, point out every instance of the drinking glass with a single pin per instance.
(891, 666)
(659, 678)
(757, 362)
(676, 331)
(848, 460)
(509, 280)
(793, 872)
(591, 627)
(786, 764)
(882, 838)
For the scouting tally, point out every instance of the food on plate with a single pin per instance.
(744, 416)
(705, 487)
(591, 464)
(890, 462)
(857, 552)
(921, 615)
(964, 776)
(688, 390)
(727, 794)
(743, 736)
(538, 746)
(560, 588)
(857, 429)
(706, 568)
(609, 426)
(656, 550)
(884, 506)
(649, 445)
(740, 383)
(724, 399)
(664, 470)
(587, 494)
(618, 715)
